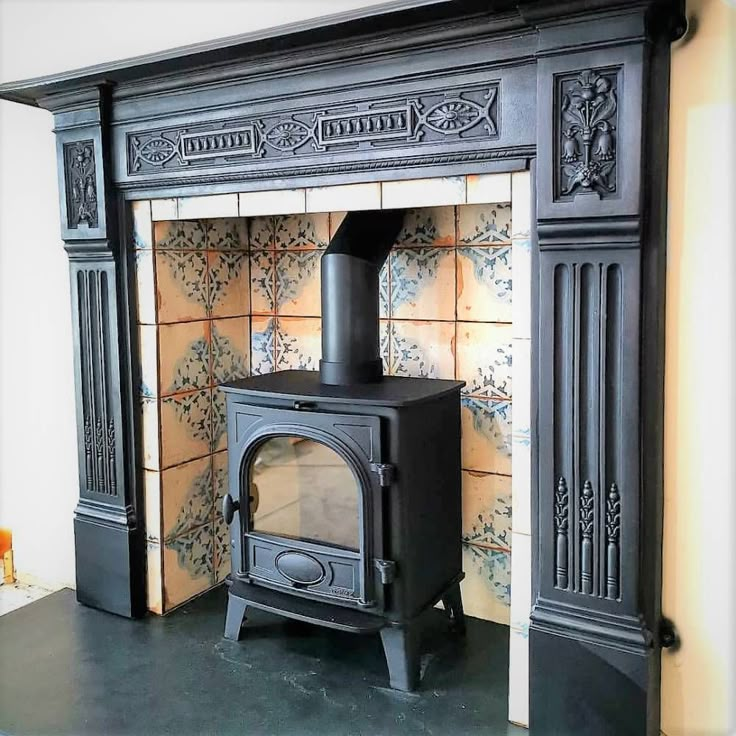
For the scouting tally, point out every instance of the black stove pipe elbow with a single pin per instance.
(350, 297)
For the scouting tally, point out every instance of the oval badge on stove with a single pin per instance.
(300, 568)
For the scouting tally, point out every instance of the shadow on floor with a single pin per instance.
(68, 669)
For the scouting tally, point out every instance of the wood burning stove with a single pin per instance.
(344, 502)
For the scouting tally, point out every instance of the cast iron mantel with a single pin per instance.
(576, 90)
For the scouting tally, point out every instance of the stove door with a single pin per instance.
(311, 505)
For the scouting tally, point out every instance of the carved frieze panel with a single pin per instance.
(457, 115)
(80, 178)
(587, 123)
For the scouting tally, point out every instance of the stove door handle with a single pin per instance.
(229, 507)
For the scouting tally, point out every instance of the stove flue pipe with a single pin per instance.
(350, 275)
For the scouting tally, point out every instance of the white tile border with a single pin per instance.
(440, 192)
(272, 202)
(488, 188)
(213, 205)
(346, 197)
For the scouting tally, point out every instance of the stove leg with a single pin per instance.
(401, 647)
(235, 616)
(452, 601)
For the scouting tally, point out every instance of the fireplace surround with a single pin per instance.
(576, 92)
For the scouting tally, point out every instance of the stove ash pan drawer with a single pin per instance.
(329, 572)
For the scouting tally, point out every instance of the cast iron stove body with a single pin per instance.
(344, 497)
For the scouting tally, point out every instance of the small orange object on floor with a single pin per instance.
(6, 555)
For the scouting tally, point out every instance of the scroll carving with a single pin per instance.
(588, 118)
(432, 118)
(81, 184)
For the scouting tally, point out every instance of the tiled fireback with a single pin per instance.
(219, 298)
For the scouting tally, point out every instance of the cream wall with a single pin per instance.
(698, 681)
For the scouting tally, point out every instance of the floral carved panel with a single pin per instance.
(81, 184)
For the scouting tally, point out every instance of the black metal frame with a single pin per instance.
(520, 71)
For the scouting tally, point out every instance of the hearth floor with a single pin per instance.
(67, 669)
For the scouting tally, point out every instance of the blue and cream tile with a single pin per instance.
(484, 359)
(229, 282)
(261, 232)
(421, 349)
(184, 357)
(230, 349)
(519, 677)
(145, 284)
(180, 235)
(486, 509)
(486, 588)
(181, 285)
(152, 504)
(427, 226)
(484, 284)
(384, 335)
(219, 420)
(302, 231)
(186, 427)
(187, 497)
(262, 345)
(486, 435)
(188, 565)
(522, 301)
(154, 578)
(447, 190)
(298, 291)
(299, 343)
(227, 233)
(142, 224)
(262, 282)
(422, 283)
(149, 409)
(488, 188)
(483, 224)
(148, 357)
(384, 289)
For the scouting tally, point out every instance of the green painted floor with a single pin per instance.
(67, 669)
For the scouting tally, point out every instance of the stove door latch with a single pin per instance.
(385, 472)
(386, 569)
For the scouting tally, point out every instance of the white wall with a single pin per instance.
(38, 467)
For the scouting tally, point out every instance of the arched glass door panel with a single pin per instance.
(303, 489)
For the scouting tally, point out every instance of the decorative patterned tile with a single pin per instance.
(427, 226)
(262, 282)
(261, 232)
(180, 235)
(484, 284)
(521, 249)
(299, 343)
(150, 434)
(422, 349)
(227, 233)
(229, 283)
(154, 578)
(336, 219)
(188, 565)
(487, 509)
(422, 283)
(486, 428)
(211, 205)
(488, 188)
(219, 420)
(187, 499)
(142, 224)
(184, 357)
(519, 677)
(181, 286)
(281, 202)
(263, 345)
(152, 504)
(230, 349)
(384, 294)
(148, 356)
(302, 231)
(145, 287)
(486, 588)
(384, 338)
(298, 291)
(423, 192)
(186, 427)
(484, 359)
(483, 224)
(345, 197)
